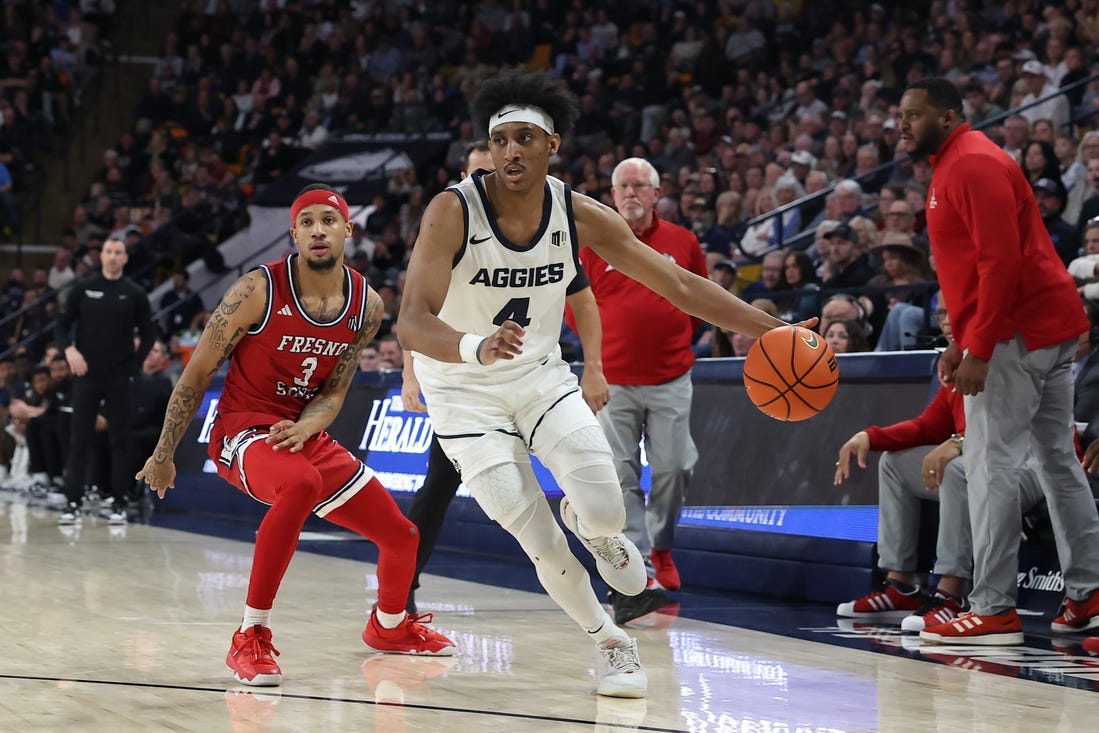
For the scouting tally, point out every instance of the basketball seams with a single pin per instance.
(774, 367)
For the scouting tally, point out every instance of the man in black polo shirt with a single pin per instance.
(96, 329)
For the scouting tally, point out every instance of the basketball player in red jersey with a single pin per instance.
(294, 329)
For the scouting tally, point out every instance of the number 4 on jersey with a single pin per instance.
(514, 310)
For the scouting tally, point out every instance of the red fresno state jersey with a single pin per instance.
(285, 359)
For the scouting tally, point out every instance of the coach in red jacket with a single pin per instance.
(647, 360)
(1016, 318)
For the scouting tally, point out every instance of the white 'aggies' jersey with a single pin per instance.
(494, 279)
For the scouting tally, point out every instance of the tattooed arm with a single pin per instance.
(322, 409)
(242, 306)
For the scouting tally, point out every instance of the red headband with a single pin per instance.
(319, 196)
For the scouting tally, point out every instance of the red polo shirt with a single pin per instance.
(646, 339)
(997, 267)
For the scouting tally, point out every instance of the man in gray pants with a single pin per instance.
(919, 463)
(647, 360)
(1016, 319)
(902, 484)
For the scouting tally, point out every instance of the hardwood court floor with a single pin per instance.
(108, 629)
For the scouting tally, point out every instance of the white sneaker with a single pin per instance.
(69, 518)
(619, 671)
(116, 518)
(56, 498)
(617, 558)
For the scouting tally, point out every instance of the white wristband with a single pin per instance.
(469, 346)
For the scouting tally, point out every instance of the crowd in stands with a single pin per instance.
(48, 51)
(743, 106)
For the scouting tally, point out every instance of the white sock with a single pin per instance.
(253, 616)
(607, 634)
(389, 620)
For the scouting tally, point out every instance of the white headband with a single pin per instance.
(521, 113)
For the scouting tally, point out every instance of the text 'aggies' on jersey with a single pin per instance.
(525, 282)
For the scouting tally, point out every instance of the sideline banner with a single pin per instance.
(753, 472)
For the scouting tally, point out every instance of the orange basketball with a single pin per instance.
(791, 373)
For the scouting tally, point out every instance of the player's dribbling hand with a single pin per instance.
(857, 446)
(287, 434)
(809, 323)
(506, 343)
(158, 476)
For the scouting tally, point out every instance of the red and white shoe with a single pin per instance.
(666, 572)
(251, 658)
(997, 629)
(938, 609)
(887, 604)
(1091, 644)
(411, 636)
(1076, 616)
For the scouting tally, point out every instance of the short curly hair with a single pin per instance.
(535, 89)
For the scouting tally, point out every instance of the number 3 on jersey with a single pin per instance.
(514, 310)
(308, 366)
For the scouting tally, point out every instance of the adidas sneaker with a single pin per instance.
(1076, 616)
(887, 604)
(938, 609)
(996, 629)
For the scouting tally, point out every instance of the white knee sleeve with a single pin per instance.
(583, 466)
(502, 492)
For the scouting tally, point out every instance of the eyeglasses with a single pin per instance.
(640, 186)
(939, 313)
(899, 213)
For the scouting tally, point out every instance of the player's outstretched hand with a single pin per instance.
(506, 343)
(158, 476)
(287, 434)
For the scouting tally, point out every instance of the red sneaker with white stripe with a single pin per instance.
(1091, 644)
(938, 609)
(411, 636)
(887, 604)
(1077, 616)
(997, 629)
(251, 657)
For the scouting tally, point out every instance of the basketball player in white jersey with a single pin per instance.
(482, 310)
